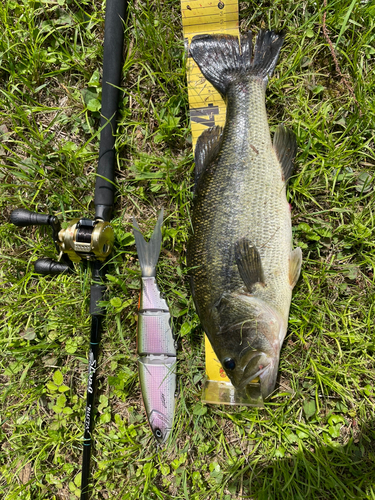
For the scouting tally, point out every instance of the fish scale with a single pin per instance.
(240, 210)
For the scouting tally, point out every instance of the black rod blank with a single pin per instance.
(96, 327)
(97, 315)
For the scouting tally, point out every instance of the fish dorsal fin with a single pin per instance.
(249, 263)
(295, 263)
(285, 146)
(206, 149)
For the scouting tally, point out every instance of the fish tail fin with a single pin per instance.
(148, 252)
(224, 59)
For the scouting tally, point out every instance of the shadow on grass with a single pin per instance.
(326, 472)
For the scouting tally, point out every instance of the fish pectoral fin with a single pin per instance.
(285, 146)
(249, 263)
(206, 149)
(295, 263)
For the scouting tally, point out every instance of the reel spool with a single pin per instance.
(86, 239)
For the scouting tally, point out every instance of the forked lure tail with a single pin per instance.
(155, 343)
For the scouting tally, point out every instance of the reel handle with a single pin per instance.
(51, 267)
(22, 217)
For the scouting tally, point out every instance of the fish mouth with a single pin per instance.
(251, 372)
(248, 368)
(259, 364)
(267, 373)
(268, 378)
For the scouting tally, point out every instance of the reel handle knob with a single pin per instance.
(51, 267)
(22, 217)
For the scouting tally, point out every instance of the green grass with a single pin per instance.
(315, 438)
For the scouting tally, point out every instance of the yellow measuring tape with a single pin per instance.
(208, 109)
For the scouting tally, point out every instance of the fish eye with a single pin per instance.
(229, 364)
(158, 434)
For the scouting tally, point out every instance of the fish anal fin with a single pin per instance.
(249, 263)
(295, 263)
(285, 146)
(206, 149)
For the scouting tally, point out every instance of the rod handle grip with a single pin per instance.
(22, 217)
(50, 267)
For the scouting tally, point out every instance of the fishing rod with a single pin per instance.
(86, 239)
(116, 13)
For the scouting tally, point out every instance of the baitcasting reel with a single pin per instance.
(82, 239)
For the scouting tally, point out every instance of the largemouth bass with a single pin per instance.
(155, 342)
(243, 267)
